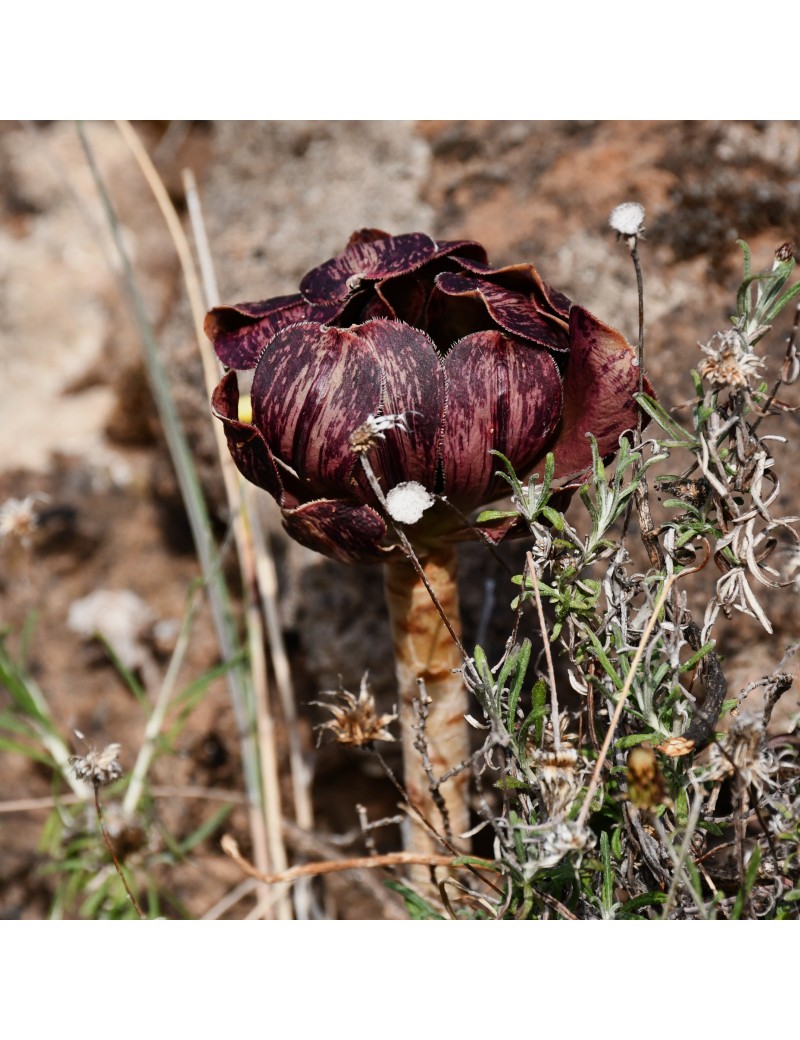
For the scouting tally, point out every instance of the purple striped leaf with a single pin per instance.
(602, 377)
(245, 442)
(347, 532)
(502, 395)
(241, 333)
(513, 311)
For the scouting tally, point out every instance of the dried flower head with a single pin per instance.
(18, 518)
(729, 362)
(566, 838)
(745, 753)
(559, 780)
(355, 721)
(98, 767)
(374, 428)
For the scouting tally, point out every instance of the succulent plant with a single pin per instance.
(419, 358)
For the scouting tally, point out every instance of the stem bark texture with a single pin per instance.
(424, 649)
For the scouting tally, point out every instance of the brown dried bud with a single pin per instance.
(676, 747)
(785, 251)
(645, 782)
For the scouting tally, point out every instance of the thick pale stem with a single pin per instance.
(425, 650)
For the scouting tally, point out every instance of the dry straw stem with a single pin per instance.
(265, 822)
(679, 860)
(262, 572)
(266, 572)
(230, 899)
(156, 720)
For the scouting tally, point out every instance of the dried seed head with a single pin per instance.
(18, 518)
(406, 502)
(355, 721)
(98, 767)
(728, 363)
(627, 219)
(694, 492)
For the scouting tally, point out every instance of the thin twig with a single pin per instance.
(314, 848)
(389, 859)
(112, 853)
(554, 904)
(422, 710)
(754, 804)
(230, 899)
(421, 818)
(416, 812)
(790, 349)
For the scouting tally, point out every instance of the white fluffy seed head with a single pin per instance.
(627, 218)
(407, 502)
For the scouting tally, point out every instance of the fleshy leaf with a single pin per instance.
(521, 278)
(245, 442)
(515, 312)
(601, 378)
(344, 531)
(369, 257)
(366, 260)
(502, 395)
(240, 333)
(312, 388)
(413, 384)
